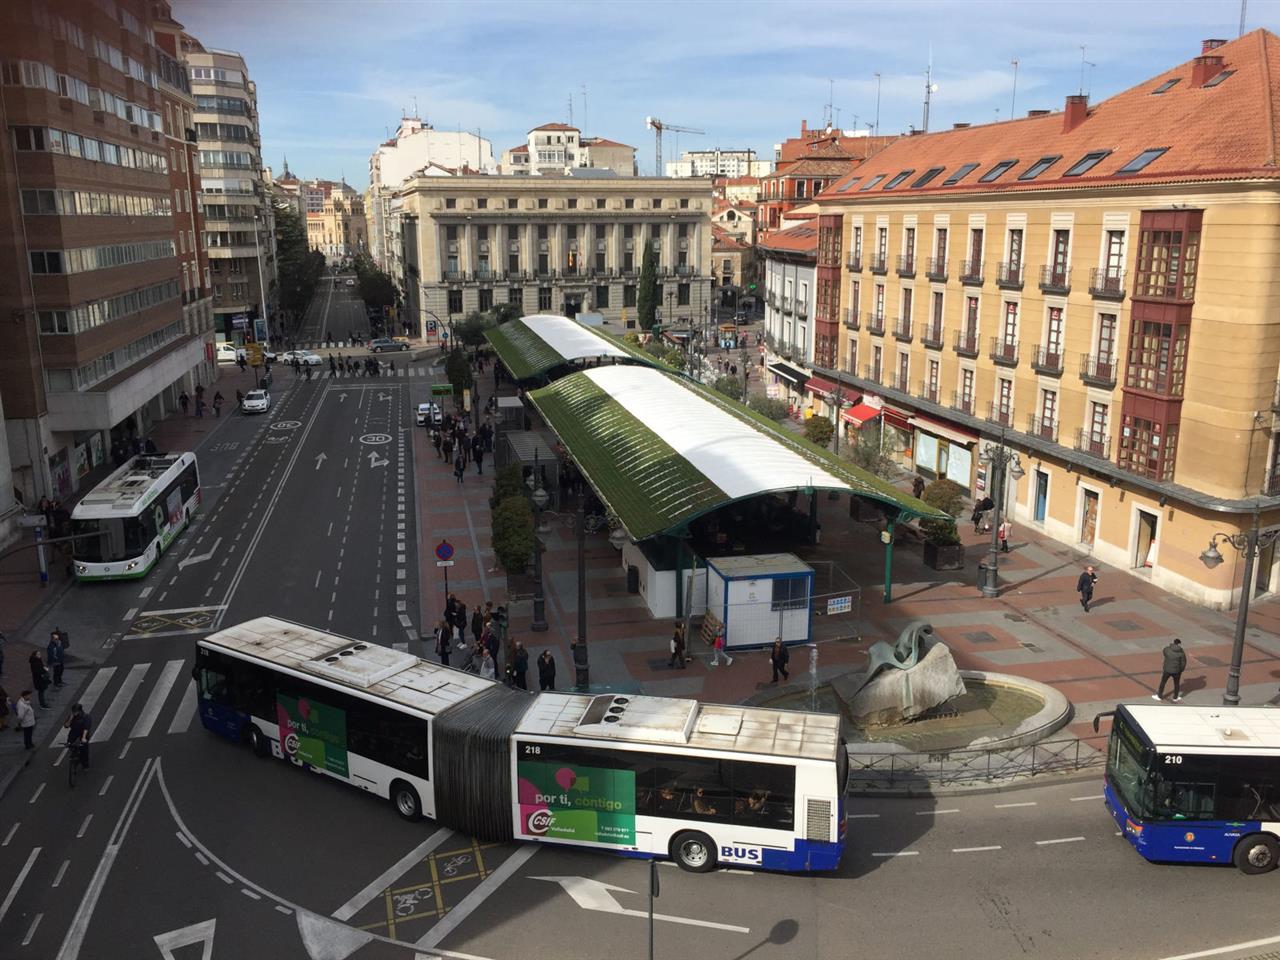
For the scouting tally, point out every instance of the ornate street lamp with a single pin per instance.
(999, 458)
(1250, 545)
(540, 500)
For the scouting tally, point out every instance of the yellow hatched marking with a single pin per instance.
(435, 877)
(475, 847)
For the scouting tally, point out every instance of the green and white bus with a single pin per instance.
(125, 523)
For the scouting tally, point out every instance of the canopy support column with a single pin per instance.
(887, 538)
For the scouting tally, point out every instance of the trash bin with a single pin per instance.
(633, 578)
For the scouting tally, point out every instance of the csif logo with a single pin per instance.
(539, 822)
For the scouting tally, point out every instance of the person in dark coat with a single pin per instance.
(477, 623)
(520, 666)
(184, 402)
(54, 657)
(677, 647)
(459, 467)
(546, 671)
(444, 641)
(490, 640)
(1175, 661)
(1084, 586)
(779, 656)
(979, 512)
(39, 676)
(460, 617)
(917, 487)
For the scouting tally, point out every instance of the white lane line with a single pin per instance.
(107, 725)
(84, 826)
(182, 716)
(31, 930)
(898, 853)
(476, 898)
(18, 881)
(250, 894)
(127, 745)
(378, 884)
(931, 813)
(1231, 948)
(161, 613)
(146, 592)
(182, 838)
(36, 796)
(133, 612)
(9, 836)
(1045, 843)
(316, 585)
(223, 877)
(1006, 806)
(973, 849)
(61, 872)
(105, 787)
(1096, 796)
(862, 816)
(151, 709)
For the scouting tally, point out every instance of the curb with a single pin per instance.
(928, 789)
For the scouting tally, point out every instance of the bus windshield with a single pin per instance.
(117, 538)
(1128, 764)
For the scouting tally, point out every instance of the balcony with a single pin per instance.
(686, 270)
(850, 317)
(936, 269)
(1004, 352)
(1003, 416)
(1047, 360)
(966, 344)
(901, 383)
(1043, 428)
(1009, 276)
(902, 329)
(1098, 372)
(962, 403)
(872, 373)
(454, 275)
(854, 262)
(971, 273)
(1055, 278)
(1273, 484)
(875, 323)
(1094, 444)
(1106, 283)
(802, 310)
(931, 335)
(928, 390)
(907, 265)
(788, 306)
(879, 264)
(1170, 286)
(484, 274)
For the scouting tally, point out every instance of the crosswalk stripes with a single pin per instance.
(123, 697)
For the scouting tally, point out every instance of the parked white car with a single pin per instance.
(424, 414)
(229, 352)
(256, 401)
(305, 357)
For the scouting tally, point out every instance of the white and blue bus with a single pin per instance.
(642, 776)
(124, 524)
(1197, 784)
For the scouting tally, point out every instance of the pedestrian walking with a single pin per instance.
(979, 513)
(200, 408)
(1175, 661)
(184, 401)
(917, 486)
(520, 666)
(54, 658)
(677, 647)
(5, 707)
(459, 467)
(477, 454)
(491, 643)
(217, 404)
(435, 441)
(477, 623)
(779, 656)
(239, 399)
(444, 641)
(546, 671)
(39, 677)
(1084, 586)
(718, 647)
(26, 718)
(447, 446)
(1002, 535)
(487, 667)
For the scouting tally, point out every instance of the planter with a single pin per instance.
(944, 557)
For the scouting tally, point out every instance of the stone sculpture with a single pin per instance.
(902, 680)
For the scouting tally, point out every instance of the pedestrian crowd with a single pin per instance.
(488, 645)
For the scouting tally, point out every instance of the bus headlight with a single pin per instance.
(81, 568)
(130, 565)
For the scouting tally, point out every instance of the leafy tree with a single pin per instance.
(470, 332)
(947, 496)
(513, 534)
(675, 357)
(773, 409)
(458, 370)
(865, 452)
(506, 312)
(507, 483)
(377, 290)
(819, 430)
(731, 387)
(299, 267)
(647, 292)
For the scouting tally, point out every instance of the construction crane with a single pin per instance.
(658, 126)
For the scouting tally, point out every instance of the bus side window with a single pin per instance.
(763, 794)
(698, 787)
(213, 685)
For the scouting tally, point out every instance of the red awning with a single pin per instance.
(897, 418)
(950, 431)
(859, 414)
(817, 385)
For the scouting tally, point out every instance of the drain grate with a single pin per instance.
(980, 636)
(1127, 625)
(1027, 645)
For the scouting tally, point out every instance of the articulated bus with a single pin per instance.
(1197, 784)
(702, 784)
(125, 523)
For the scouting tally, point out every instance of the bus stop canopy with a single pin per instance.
(534, 345)
(661, 451)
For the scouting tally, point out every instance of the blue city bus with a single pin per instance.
(1192, 784)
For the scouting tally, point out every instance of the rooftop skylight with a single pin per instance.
(997, 171)
(960, 174)
(1165, 86)
(1087, 163)
(898, 178)
(1141, 160)
(1217, 79)
(1039, 167)
(871, 183)
(926, 177)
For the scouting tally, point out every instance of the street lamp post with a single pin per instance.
(262, 290)
(1250, 545)
(539, 624)
(998, 458)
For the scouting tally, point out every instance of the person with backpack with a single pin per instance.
(677, 647)
(718, 646)
(779, 656)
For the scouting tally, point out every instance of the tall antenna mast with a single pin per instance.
(1013, 102)
(1082, 62)
(584, 107)
(571, 109)
(930, 88)
(877, 125)
(1244, 5)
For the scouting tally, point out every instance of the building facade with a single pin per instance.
(788, 266)
(719, 163)
(551, 245)
(98, 339)
(553, 149)
(239, 217)
(335, 218)
(1091, 287)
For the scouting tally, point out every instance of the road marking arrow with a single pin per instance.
(341, 397)
(320, 458)
(383, 396)
(595, 895)
(375, 460)
(201, 933)
(200, 558)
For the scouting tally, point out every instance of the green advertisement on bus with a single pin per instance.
(313, 732)
(563, 802)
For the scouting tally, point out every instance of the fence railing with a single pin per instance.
(977, 766)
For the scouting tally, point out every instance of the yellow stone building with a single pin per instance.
(1097, 287)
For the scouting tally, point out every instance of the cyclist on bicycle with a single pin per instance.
(79, 726)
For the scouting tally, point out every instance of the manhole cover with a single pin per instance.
(1031, 646)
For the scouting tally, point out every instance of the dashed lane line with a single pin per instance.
(1045, 843)
(18, 881)
(1007, 806)
(1097, 796)
(898, 853)
(974, 849)
(932, 813)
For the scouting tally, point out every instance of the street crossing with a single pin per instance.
(117, 694)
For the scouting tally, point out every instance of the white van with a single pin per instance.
(229, 352)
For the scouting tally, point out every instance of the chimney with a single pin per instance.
(804, 127)
(1204, 69)
(1207, 45)
(1038, 113)
(960, 126)
(1076, 112)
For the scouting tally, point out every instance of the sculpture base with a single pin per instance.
(896, 696)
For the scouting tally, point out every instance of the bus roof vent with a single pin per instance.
(1234, 735)
(361, 664)
(653, 719)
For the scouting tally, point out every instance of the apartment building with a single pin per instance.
(806, 165)
(550, 244)
(719, 163)
(1093, 288)
(97, 341)
(554, 149)
(239, 217)
(788, 266)
(335, 218)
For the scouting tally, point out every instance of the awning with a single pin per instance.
(824, 388)
(897, 418)
(793, 375)
(859, 414)
(938, 429)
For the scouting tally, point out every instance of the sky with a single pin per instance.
(335, 76)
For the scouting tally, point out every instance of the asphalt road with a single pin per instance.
(175, 838)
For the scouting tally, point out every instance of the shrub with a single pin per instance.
(731, 387)
(458, 370)
(819, 430)
(767, 406)
(513, 534)
(507, 483)
(865, 452)
(947, 496)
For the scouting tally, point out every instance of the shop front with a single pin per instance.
(786, 382)
(940, 450)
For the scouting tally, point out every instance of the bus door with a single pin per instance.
(214, 695)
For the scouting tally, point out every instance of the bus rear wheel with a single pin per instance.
(258, 743)
(693, 851)
(1257, 853)
(406, 801)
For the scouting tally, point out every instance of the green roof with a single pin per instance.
(525, 354)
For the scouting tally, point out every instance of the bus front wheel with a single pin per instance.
(693, 851)
(406, 801)
(1257, 853)
(258, 743)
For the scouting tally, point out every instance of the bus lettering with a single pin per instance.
(1176, 758)
(740, 854)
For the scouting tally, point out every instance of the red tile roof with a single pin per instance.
(555, 126)
(741, 181)
(721, 239)
(801, 239)
(603, 142)
(1223, 132)
(523, 148)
